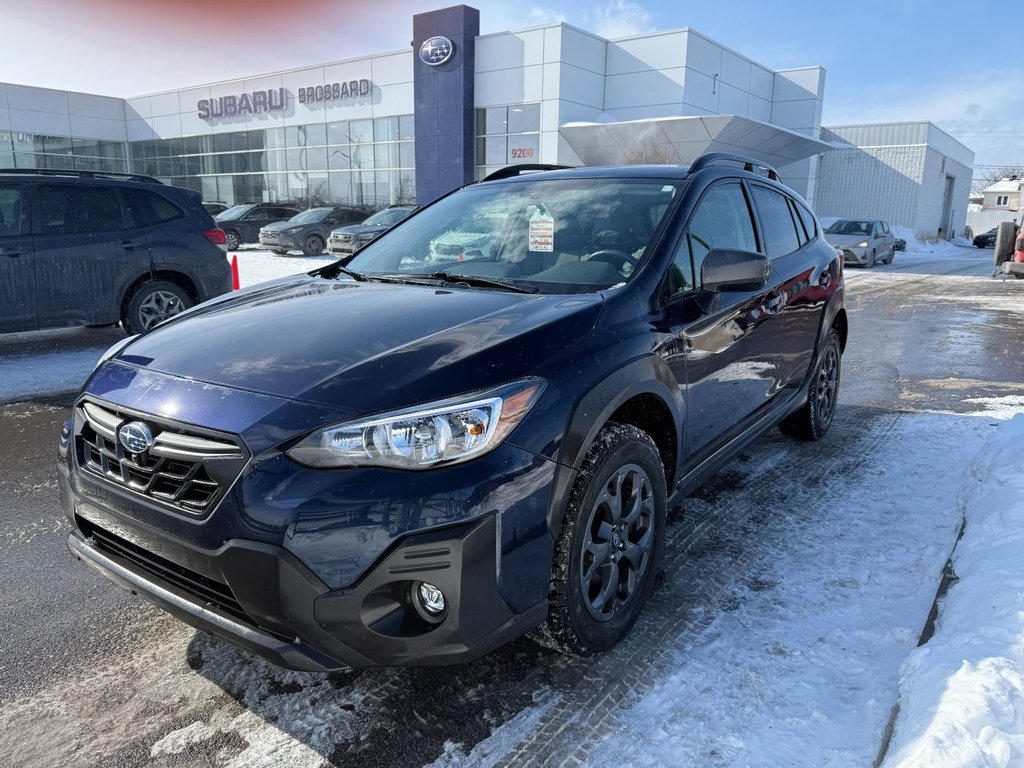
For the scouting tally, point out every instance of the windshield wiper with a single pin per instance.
(333, 270)
(474, 280)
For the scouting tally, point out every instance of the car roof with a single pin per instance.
(672, 172)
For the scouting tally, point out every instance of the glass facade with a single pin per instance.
(506, 136)
(368, 162)
(33, 150)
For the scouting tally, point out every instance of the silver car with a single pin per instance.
(863, 241)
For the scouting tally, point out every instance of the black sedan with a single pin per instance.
(986, 239)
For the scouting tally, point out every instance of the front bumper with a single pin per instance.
(275, 240)
(855, 256)
(262, 598)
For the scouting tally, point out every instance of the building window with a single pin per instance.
(1002, 199)
(507, 136)
(369, 162)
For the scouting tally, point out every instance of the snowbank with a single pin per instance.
(962, 694)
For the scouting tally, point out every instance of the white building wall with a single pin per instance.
(897, 172)
(26, 109)
(174, 114)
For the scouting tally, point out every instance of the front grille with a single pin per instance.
(205, 590)
(189, 472)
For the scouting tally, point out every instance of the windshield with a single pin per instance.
(557, 236)
(387, 217)
(310, 216)
(844, 227)
(235, 212)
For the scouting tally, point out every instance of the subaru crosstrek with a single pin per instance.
(400, 461)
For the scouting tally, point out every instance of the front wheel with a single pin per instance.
(608, 549)
(314, 246)
(813, 419)
(151, 303)
(232, 238)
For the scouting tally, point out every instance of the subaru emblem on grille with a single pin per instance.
(135, 436)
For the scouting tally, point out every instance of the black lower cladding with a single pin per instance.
(271, 604)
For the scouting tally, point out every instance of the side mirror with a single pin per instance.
(729, 270)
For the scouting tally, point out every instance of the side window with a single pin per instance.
(78, 209)
(722, 220)
(885, 227)
(776, 222)
(808, 219)
(149, 208)
(801, 232)
(13, 211)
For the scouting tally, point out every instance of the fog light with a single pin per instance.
(431, 599)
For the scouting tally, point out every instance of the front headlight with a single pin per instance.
(444, 432)
(862, 245)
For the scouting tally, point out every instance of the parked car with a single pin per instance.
(863, 241)
(242, 223)
(455, 457)
(308, 230)
(345, 241)
(986, 239)
(91, 248)
(215, 207)
(475, 235)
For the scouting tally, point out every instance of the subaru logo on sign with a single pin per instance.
(135, 436)
(437, 50)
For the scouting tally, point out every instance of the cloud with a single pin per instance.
(538, 16)
(620, 18)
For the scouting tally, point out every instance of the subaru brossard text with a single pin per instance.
(417, 455)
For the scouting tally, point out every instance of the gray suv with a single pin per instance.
(309, 230)
(85, 248)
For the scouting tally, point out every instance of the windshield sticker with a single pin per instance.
(542, 232)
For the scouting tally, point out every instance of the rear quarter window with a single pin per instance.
(148, 208)
(776, 221)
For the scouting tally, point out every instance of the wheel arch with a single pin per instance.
(642, 393)
(180, 279)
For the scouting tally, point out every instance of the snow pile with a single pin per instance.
(939, 248)
(962, 694)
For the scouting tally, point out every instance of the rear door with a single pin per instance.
(85, 254)
(17, 261)
(801, 268)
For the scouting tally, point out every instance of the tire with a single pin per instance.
(233, 239)
(1005, 235)
(602, 574)
(313, 246)
(871, 261)
(279, 251)
(152, 303)
(815, 416)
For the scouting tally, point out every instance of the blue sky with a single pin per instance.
(959, 65)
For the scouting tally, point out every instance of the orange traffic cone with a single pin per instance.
(234, 273)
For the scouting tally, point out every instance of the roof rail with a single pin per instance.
(82, 174)
(517, 170)
(747, 163)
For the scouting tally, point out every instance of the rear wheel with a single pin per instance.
(232, 239)
(815, 416)
(153, 302)
(313, 246)
(610, 544)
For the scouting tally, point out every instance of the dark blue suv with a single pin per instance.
(412, 458)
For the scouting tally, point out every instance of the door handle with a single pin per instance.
(11, 252)
(129, 245)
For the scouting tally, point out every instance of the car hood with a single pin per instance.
(280, 226)
(359, 229)
(365, 347)
(841, 240)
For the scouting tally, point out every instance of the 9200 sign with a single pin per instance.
(353, 89)
(521, 153)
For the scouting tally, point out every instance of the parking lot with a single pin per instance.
(795, 583)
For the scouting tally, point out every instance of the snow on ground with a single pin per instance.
(962, 694)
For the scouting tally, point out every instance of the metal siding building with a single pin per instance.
(912, 175)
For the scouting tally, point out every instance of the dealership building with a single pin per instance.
(410, 125)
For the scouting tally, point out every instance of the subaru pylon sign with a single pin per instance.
(436, 50)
